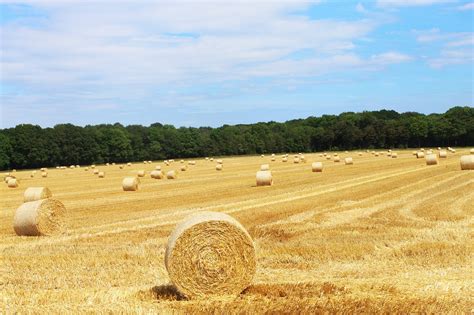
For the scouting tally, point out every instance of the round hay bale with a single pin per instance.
(96, 171)
(44, 174)
(157, 174)
(431, 159)
(467, 162)
(360, 153)
(219, 167)
(262, 155)
(93, 166)
(129, 164)
(141, 173)
(420, 155)
(182, 161)
(394, 155)
(86, 169)
(192, 163)
(211, 159)
(264, 178)
(36, 193)
(13, 183)
(32, 175)
(415, 153)
(184, 168)
(337, 159)
(7, 178)
(171, 175)
(471, 151)
(328, 157)
(442, 154)
(130, 184)
(210, 254)
(389, 154)
(43, 169)
(273, 159)
(296, 160)
(121, 167)
(158, 167)
(376, 154)
(264, 167)
(107, 164)
(101, 174)
(285, 159)
(219, 162)
(40, 217)
(317, 167)
(348, 161)
(72, 166)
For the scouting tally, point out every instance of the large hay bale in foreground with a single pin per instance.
(36, 193)
(171, 175)
(264, 178)
(431, 159)
(130, 184)
(40, 217)
(210, 254)
(467, 162)
(157, 174)
(13, 183)
(264, 167)
(317, 167)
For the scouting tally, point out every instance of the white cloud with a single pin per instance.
(410, 3)
(467, 6)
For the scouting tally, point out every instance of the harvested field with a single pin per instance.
(384, 235)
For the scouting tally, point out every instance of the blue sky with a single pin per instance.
(209, 63)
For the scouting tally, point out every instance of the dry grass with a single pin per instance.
(386, 235)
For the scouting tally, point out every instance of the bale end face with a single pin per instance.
(210, 254)
(36, 193)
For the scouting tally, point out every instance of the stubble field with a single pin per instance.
(382, 235)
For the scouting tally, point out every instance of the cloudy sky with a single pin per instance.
(208, 63)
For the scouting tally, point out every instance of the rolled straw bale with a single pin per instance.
(389, 154)
(337, 159)
(262, 155)
(184, 168)
(211, 159)
(431, 159)
(192, 163)
(43, 169)
(113, 163)
(420, 155)
(442, 154)
(166, 163)
(219, 167)
(145, 162)
(302, 159)
(264, 178)
(157, 174)
(40, 217)
(149, 162)
(219, 161)
(86, 169)
(7, 178)
(158, 167)
(320, 155)
(129, 164)
(328, 157)
(317, 167)
(141, 173)
(439, 148)
(273, 159)
(121, 167)
(36, 193)
(422, 149)
(207, 158)
(107, 164)
(360, 153)
(394, 155)
(348, 161)
(72, 166)
(32, 175)
(430, 152)
(415, 153)
(273, 154)
(96, 171)
(296, 160)
(467, 162)
(471, 151)
(285, 159)
(210, 254)
(130, 184)
(93, 166)
(376, 154)
(264, 167)
(101, 174)
(44, 174)
(182, 161)
(171, 174)
(13, 183)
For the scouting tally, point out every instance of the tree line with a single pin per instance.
(30, 146)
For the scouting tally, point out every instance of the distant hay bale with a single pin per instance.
(302, 159)
(348, 161)
(420, 154)
(219, 167)
(320, 155)
(394, 155)
(328, 157)
(107, 164)
(158, 167)
(141, 173)
(36, 193)
(157, 174)
(219, 161)
(262, 155)
(415, 153)
(166, 163)
(86, 169)
(285, 159)
(113, 163)
(264, 167)
(296, 160)
(467, 162)
(376, 154)
(360, 153)
(149, 162)
(96, 171)
(184, 168)
(32, 175)
(182, 161)
(44, 217)
(273, 159)
(337, 159)
(145, 162)
(101, 174)
(431, 159)
(317, 167)
(442, 154)
(121, 166)
(7, 178)
(211, 159)
(93, 166)
(210, 254)
(72, 166)
(13, 183)
(264, 178)
(192, 163)
(43, 169)
(389, 154)
(471, 151)
(439, 148)
(171, 175)
(129, 164)
(130, 183)
(44, 174)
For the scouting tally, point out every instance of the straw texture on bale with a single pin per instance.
(443, 154)
(130, 184)
(13, 183)
(264, 178)
(264, 167)
(210, 254)
(467, 162)
(141, 173)
(317, 167)
(431, 159)
(40, 217)
(101, 174)
(348, 161)
(156, 174)
(36, 193)
(171, 174)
